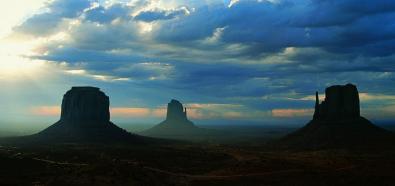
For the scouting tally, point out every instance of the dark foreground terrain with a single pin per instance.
(192, 164)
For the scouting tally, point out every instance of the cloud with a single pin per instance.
(362, 96)
(48, 22)
(271, 27)
(156, 15)
(376, 97)
(204, 111)
(232, 2)
(147, 70)
(264, 55)
(42, 24)
(102, 14)
(329, 13)
(282, 20)
(380, 112)
(106, 78)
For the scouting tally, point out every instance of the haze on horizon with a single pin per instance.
(227, 61)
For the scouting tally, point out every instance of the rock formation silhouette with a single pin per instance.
(337, 123)
(85, 106)
(85, 117)
(341, 102)
(177, 115)
(176, 125)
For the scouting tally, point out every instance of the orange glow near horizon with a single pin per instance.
(285, 113)
(46, 111)
(130, 112)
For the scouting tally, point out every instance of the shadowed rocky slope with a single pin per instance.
(337, 124)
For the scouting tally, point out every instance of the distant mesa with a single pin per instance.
(337, 124)
(176, 125)
(85, 117)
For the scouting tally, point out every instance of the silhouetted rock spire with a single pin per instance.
(341, 102)
(175, 111)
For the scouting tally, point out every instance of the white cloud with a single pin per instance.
(147, 70)
(100, 77)
(232, 2)
(215, 37)
(376, 97)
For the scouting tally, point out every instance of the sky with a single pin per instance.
(228, 61)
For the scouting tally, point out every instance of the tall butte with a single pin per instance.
(337, 123)
(176, 125)
(176, 114)
(341, 103)
(85, 106)
(85, 116)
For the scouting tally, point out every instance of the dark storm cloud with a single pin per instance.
(257, 53)
(105, 15)
(75, 55)
(313, 60)
(155, 15)
(147, 70)
(104, 37)
(331, 13)
(271, 27)
(264, 25)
